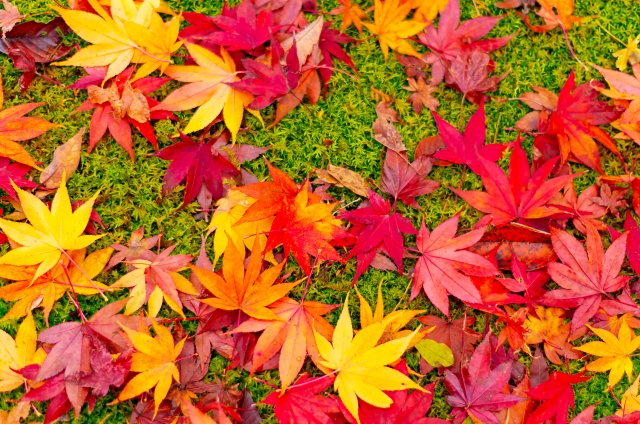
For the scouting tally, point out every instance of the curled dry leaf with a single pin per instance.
(343, 177)
(66, 159)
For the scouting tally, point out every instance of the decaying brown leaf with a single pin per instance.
(343, 177)
(66, 159)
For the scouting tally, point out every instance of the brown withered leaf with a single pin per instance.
(384, 111)
(388, 135)
(66, 159)
(343, 177)
(132, 103)
(421, 95)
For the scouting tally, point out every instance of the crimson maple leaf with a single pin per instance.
(242, 28)
(585, 276)
(573, 126)
(199, 163)
(527, 199)
(464, 149)
(13, 172)
(556, 395)
(406, 181)
(477, 390)
(303, 404)
(329, 45)
(269, 83)
(457, 334)
(531, 283)
(450, 38)
(469, 74)
(406, 407)
(439, 269)
(105, 117)
(582, 207)
(377, 229)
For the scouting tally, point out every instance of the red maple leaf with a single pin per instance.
(585, 276)
(531, 284)
(439, 270)
(464, 149)
(522, 197)
(556, 395)
(303, 404)
(104, 117)
(582, 207)
(377, 228)
(329, 45)
(477, 390)
(199, 163)
(574, 125)
(469, 74)
(13, 172)
(447, 41)
(406, 181)
(457, 334)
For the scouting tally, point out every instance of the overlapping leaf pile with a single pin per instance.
(535, 264)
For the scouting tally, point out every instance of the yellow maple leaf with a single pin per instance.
(159, 41)
(391, 28)
(17, 354)
(154, 360)
(426, 11)
(393, 322)
(53, 284)
(361, 366)
(207, 90)
(630, 401)
(615, 353)
(230, 210)
(17, 414)
(50, 233)
(248, 291)
(111, 45)
(629, 55)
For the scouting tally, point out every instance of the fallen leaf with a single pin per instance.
(66, 159)
(343, 177)
(548, 326)
(352, 14)
(556, 396)
(391, 28)
(9, 17)
(421, 95)
(14, 173)
(17, 354)
(457, 334)
(404, 180)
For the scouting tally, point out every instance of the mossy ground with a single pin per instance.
(131, 193)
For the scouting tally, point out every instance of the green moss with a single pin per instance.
(131, 193)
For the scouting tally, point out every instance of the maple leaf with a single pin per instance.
(17, 354)
(531, 247)
(574, 125)
(343, 177)
(427, 12)
(111, 43)
(138, 248)
(48, 288)
(391, 28)
(413, 67)
(584, 275)
(248, 30)
(13, 172)
(556, 395)
(229, 211)
(629, 55)
(329, 46)
(527, 200)
(248, 291)
(16, 415)
(422, 95)
(630, 402)
(208, 89)
(531, 283)
(465, 149)
(457, 334)
(450, 38)
(33, 42)
(199, 164)
(564, 18)
(9, 17)
(469, 74)
(70, 354)
(305, 228)
(406, 181)
(392, 322)
(156, 279)
(615, 353)
(303, 404)
(14, 126)
(361, 366)
(584, 208)
(352, 14)
(548, 326)
(51, 232)
(406, 408)
(122, 104)
(611, 200)
(154, 360)
(476, 390)
(291, 335)
(442, 261)
(624, 88)
(378, 229)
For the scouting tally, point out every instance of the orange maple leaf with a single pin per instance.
(248, 291)
(352, 14)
